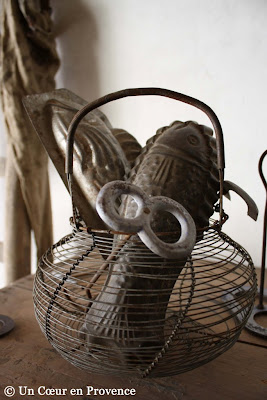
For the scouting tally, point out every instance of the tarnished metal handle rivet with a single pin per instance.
(141, 223)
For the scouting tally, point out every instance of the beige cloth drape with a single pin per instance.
(28, 65)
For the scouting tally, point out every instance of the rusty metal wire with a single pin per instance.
(205, 310)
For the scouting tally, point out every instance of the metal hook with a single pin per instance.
(263, 258)
(252, 325)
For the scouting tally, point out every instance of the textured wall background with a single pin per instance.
(214, 50)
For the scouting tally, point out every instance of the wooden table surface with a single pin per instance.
(27, 359)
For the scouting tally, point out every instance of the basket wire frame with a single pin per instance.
(192, 320)
(207, 308)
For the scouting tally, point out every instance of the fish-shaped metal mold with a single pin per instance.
(179, 162)
(98, 155)
(129, 144)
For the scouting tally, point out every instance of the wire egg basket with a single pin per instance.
(167, 317)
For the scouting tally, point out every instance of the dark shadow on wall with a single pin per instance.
(77, 40)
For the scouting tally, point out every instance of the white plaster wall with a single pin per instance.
(214, 50)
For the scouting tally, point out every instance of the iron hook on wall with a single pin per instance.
(259, 309)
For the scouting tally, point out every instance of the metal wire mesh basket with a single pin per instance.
(166, 317)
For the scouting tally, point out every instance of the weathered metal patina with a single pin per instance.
(98, 155)
(112, 303)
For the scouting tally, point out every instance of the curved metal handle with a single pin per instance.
(147, 92)
(263, 257)
(260, 169)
